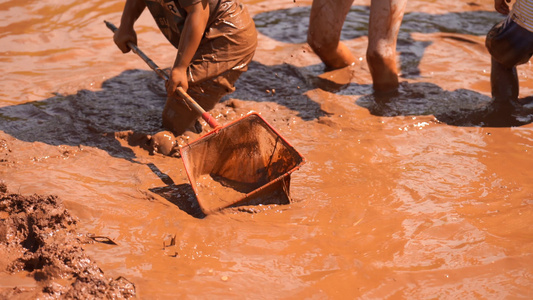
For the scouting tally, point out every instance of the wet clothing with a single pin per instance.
(228, 20)
(226, 49)
(522, 14)
(510, 45)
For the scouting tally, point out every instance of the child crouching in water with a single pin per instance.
(215, 42)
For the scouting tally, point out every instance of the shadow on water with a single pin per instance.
(461, 107)
(290, 84)
(290, 26)
(133, 102)
(181, 195)
(90, 118)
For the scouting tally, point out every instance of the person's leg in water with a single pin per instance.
(384, 24)
(504, 85)
(325, 25)
(509, 45)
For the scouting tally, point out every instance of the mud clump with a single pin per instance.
(38, 237)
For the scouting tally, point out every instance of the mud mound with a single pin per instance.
(38, 236)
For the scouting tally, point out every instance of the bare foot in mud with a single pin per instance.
(164, 142)
(495, 114)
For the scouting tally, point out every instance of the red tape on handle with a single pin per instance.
(210, 120)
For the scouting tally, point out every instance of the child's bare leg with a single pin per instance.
(325, 25)
(503, 82)
(385, 20)
(177, 116)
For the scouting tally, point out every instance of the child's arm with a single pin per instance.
(501, 6)
(193, 31)
(125, 32)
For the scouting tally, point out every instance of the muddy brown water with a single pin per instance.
(413, 197)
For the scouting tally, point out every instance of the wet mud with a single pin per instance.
(38, 239)
(419, 194)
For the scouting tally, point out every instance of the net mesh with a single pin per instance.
(228, 166)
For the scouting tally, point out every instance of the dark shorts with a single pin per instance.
(509, 43)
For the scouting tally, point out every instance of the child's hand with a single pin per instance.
(501, 6)
(178, 77)
(123, 36)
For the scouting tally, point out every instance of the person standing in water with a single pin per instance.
(325, 25)
(215, 42)
(510, 43)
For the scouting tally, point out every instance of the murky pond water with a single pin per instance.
(411, 197)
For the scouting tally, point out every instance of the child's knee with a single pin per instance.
(177, 116)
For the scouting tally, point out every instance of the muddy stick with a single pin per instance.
(188, 99)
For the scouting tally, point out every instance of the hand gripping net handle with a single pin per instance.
(188, 99)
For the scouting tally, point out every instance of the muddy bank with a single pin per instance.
(43, 255)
